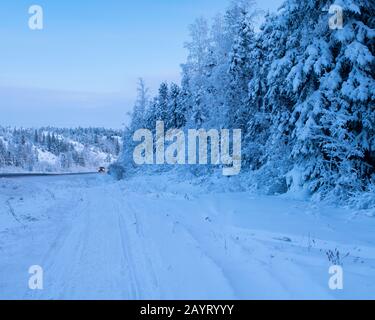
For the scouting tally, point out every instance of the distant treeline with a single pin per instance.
(56, 149)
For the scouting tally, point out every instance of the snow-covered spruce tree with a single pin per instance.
(138, 120)
(266, 145)
(350, 89)
(321, 90)
(263, 53)
(161, 110)
(3, 154)
(176, 110)
(240, 71)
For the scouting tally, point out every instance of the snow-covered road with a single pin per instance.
(153, 238)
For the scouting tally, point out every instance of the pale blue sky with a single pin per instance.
(83, 67)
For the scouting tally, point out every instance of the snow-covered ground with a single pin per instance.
(153, 237)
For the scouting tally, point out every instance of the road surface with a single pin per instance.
(151, 238)
(29, 175)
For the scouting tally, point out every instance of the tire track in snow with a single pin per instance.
(158, 233)
(13, 213)
(142, 252)
(90, 259)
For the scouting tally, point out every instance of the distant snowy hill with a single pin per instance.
(57, 150)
